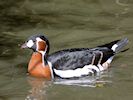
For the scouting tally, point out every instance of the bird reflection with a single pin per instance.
(98, 80)
(38, 88)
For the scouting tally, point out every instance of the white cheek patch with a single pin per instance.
(30, 43)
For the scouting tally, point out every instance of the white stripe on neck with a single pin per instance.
(51, 70)
(43, 54)
(49, 63)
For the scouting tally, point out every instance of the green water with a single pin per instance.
(67, 24)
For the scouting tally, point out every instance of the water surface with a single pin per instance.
(67, 24)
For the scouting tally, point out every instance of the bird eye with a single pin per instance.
(34, 41)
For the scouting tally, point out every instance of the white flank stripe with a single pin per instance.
(114, 47)
(67, 73)
(93, 67)
(86, 70)
(100, 67)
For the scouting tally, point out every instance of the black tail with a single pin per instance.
(117, 45)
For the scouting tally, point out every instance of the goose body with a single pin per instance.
(69, 63)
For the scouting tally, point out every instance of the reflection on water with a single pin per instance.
(38, 88)
(89, 81)
(67, 24)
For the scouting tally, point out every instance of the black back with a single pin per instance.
(78, 58)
